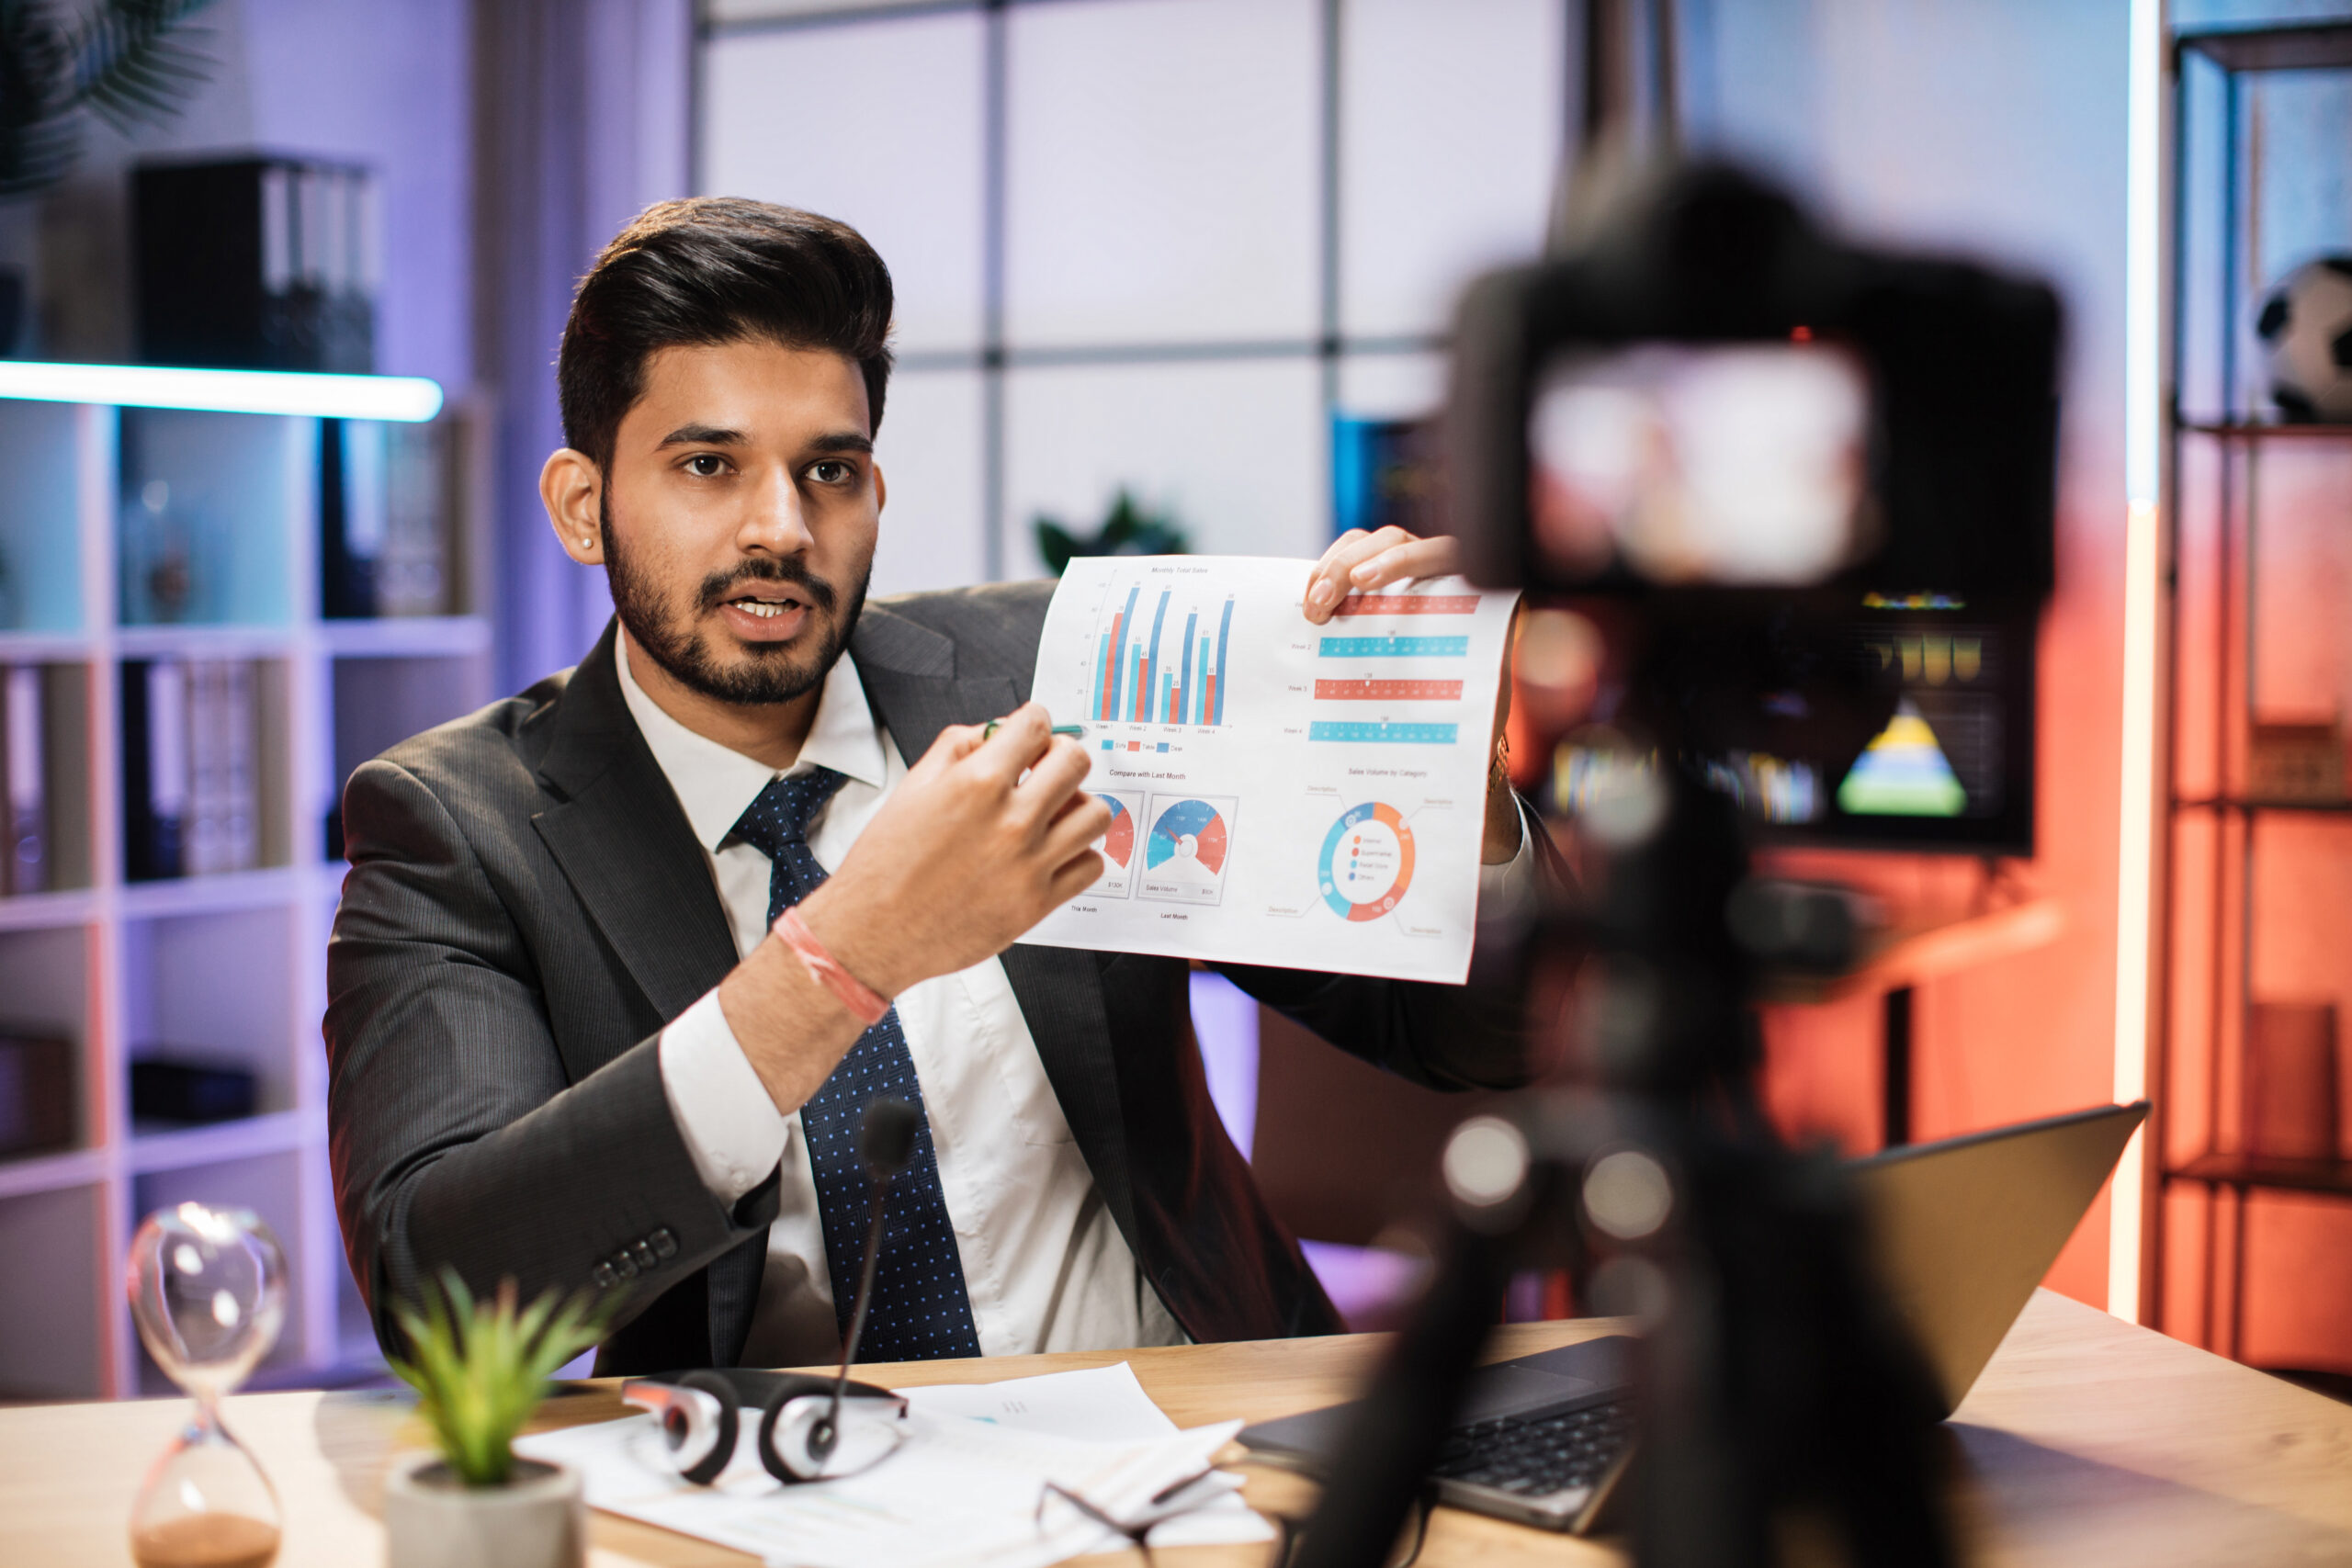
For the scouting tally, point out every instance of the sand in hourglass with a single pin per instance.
(204, 1540)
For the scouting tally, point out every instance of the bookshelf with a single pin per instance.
(2254, 865)
(229, 966)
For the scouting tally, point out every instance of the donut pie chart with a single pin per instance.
(1119, 842)
(1367, 861)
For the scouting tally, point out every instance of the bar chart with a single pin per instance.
(1150, 668)
(1389, 658)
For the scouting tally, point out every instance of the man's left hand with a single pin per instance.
(1359, 562)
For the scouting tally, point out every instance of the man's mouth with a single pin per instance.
(764, 609)
(767, 602)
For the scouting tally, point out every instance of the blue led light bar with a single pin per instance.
(407, 399)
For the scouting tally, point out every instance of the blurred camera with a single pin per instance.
(1712, 394)
(1820, 480)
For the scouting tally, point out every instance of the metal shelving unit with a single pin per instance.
(2223, 460)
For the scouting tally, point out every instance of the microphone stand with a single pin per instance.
(887, 1140)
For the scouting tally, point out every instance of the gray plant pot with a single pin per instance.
(433, 1520)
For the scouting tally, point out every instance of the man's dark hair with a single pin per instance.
(716, 269)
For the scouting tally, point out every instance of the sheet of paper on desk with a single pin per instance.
(1101, 1404)
(958, 1490)
(1283, 793)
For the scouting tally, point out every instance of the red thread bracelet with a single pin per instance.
(865, 1004)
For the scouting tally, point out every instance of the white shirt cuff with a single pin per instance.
(732, 1130)
(1501, 887)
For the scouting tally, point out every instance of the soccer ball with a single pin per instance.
(2306, 325)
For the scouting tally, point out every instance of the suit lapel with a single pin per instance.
(912, 684)
(911, 678)
(624, 845)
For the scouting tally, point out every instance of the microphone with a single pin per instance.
(887, 1142)
(800, 1433)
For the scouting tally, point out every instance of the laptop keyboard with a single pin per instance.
(1535, 1456)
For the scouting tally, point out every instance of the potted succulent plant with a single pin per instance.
(479, 1368)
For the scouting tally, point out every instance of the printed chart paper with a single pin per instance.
(1281, 793)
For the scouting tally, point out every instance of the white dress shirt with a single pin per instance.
(1045, 1265)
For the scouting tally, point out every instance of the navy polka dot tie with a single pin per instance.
(921, 1312)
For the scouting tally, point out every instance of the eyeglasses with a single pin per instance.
(1290, 1531)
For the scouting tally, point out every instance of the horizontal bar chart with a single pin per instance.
(1394, 648)
(1412, 733)
(1408, 604)
(1388, 691)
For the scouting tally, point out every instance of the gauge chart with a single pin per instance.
(1367, 861)
(1184, 857)
(1118, 845)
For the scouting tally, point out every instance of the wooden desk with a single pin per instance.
(2086, 1441)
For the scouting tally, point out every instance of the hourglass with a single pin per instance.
(208, 1288)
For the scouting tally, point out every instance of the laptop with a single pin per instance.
(1964, 1229)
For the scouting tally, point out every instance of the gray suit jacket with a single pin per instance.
(527, 907)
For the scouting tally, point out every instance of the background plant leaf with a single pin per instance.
(1128, 530)
(132, 63)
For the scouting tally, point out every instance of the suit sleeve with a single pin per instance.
(458, 1141)
(1452, 1037)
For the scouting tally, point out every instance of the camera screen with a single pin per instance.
(1942, 753)
(1745, 464)
(1943, 759)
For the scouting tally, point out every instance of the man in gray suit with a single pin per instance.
(621, 960)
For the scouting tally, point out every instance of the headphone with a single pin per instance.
(803, 1433)
(798, 1438)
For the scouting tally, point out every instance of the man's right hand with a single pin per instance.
(977, 843)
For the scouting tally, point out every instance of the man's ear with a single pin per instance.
(881, 489)
(570, 488)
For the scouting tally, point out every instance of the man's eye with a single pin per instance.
(706, 465)
(830, 472)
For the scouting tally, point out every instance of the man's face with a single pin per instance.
(739, 516)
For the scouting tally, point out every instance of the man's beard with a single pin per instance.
(775, 672)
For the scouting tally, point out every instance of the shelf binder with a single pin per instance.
(240, 798)
(384, 505)
(207, 772)
(191, 803)
(24, 829)
(255, 263)
(154, 768)
(351, 516)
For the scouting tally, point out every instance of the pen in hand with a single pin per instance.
(989, 729)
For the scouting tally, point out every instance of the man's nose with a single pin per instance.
(776, 522)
